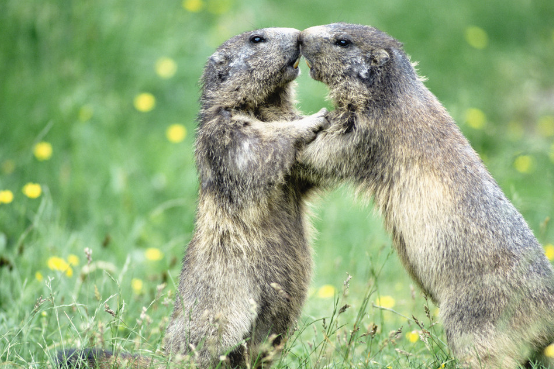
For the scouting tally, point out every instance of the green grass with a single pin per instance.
(69, 72)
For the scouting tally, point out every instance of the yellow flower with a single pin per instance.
(385, 301)
(73, 259)
(85, 113)
(59, 264)
(32, 190)
(38, 276)
(153, 254)
(476, 37)
(549, 351)
(193, 6)
(176, 133)
(136, 285)
(43, 151)
(326, 291)
(145, 102)
(475, 118)
(549, 251)
(524, 164)
(8, 166)
(412, 336)
(6, 197)
(545, 126)
(166, 67)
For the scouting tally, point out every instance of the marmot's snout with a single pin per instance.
(284, 41)
(310, 48)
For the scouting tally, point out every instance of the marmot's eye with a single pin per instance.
(343, 42)
(256, 39)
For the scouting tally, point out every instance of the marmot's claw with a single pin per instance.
(324, 124)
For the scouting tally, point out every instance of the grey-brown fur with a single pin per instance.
(454, 230)
(247, 268)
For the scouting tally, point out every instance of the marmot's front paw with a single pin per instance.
(322, 121)
(311, 125)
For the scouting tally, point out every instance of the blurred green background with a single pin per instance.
(97, 107)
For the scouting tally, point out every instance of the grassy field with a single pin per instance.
(98, 186)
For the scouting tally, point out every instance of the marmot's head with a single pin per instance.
(357, 62)
(249, 67)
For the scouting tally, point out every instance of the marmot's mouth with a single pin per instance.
(294, 60)
(308, 63)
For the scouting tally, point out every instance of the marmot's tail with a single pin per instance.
(101, 359)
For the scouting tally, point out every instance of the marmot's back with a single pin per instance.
(456, 233)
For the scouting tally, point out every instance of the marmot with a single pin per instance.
(454, 230)
(247, 268)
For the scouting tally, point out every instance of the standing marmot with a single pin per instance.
(456, 233)
(248, 266)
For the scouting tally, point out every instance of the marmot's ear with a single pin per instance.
(379, 57)
(218, 62)
(375, 59)
(218, 58)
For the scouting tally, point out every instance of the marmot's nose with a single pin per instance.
(308, 43)
(306, 38)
